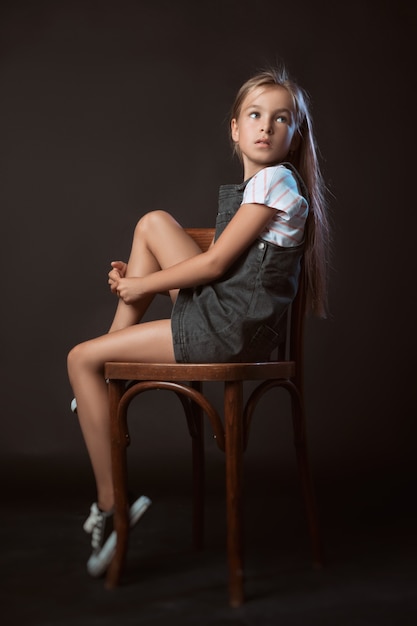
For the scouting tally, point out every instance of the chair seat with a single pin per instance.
(200, 371)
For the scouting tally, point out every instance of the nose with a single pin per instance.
(266, 127)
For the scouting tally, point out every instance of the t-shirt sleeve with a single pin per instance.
(275, 187)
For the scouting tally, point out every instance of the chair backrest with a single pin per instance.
(202, 236)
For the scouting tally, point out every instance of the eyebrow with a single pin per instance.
(281, 110)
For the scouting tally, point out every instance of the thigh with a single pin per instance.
(149, 342)
(159, 242)
(165, 239)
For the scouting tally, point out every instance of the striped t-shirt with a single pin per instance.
(277, 188)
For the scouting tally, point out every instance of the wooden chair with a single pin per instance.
(231, 434)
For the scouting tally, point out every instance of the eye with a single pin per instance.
(254, 115)
(282, 119)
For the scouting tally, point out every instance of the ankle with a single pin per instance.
(106, 504)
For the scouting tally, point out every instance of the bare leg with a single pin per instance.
(158, 242)
(151, 341)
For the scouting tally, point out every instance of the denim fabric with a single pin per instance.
(239, 317)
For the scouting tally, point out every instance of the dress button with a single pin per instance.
(261, 245)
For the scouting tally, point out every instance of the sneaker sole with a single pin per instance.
(97, 564)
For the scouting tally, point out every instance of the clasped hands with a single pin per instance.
(127, 289)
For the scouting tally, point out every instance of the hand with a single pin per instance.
(128, 289)
(117, 272)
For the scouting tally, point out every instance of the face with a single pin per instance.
(265, 129)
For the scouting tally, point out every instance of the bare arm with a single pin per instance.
(249, 221)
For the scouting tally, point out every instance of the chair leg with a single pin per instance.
(119, 442)
(233, 408)
(198, 474)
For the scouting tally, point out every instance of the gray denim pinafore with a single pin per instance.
(238, 317)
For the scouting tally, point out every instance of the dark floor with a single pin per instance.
(370, 578)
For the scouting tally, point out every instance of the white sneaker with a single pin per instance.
(103, 536)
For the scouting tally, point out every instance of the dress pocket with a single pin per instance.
(263, 342)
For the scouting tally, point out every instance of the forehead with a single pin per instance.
(273, 96)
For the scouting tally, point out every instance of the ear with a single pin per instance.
(234, 130)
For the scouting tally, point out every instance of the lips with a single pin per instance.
(263, 142)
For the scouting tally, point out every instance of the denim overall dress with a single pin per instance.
(239, 317)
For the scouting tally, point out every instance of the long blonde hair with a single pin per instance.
(305, 160)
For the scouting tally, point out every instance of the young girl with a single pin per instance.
(228, 301)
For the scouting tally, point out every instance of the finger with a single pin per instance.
(114, 276)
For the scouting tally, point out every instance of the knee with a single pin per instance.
(152, 222)
(75, 359)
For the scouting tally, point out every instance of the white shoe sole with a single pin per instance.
(98, 563)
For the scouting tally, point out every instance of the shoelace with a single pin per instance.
(92, 519)
(94, 525)
(97, 534)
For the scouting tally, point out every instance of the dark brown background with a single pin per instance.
(111, 109)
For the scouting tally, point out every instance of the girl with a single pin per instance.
(228, 301)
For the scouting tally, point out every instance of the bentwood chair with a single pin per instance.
(231, 433)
